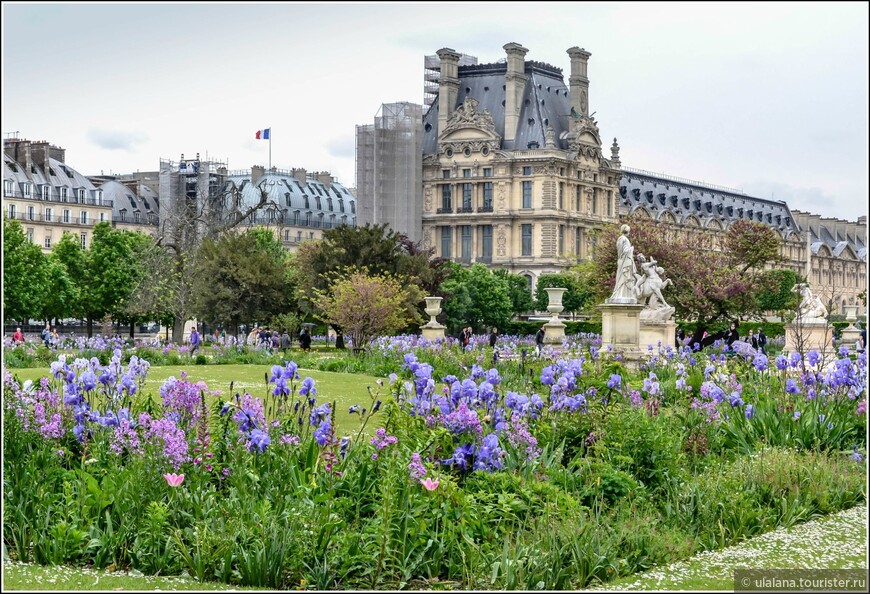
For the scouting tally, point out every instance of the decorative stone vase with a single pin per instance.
(432, 330)
(433, 308)
(851, 312)
(849, 335)
(554, 301)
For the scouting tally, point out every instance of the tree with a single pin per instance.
(715, 279)
(238, 278)
(26, 274)
(112, 273)
(778, 295)
(518, 288)
(476, 297)
(60, 301)
(365, 306)
(69, 254)
(574, 299)
(375, 248)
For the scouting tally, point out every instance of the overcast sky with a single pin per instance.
(770, 98)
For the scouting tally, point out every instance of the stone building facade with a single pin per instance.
(47, 196)
(513, 170)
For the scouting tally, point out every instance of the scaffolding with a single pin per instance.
(389, 169)
(432, 75)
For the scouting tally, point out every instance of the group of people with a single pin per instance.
(271, 340)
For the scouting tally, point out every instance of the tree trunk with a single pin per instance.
(90, 325)
(132, 330)
(178, 331)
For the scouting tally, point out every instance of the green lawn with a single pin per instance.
(838, 541)
(345, 389)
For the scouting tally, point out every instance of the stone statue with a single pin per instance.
(625, 287)
(811, 308)
(649, 290)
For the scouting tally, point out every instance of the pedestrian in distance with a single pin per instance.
(46, 334)
(539, 340)
(762, 341)
(18, 337)
(305, 340)
(732, 334)
(194, 341)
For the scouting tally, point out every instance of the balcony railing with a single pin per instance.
(57, 199)
(447, 210)
(484, 208)
(53, 218)
(464, 209)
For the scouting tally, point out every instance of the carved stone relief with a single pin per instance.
(501, 242)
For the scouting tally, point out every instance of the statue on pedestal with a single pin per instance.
(649, 290)
(811, 307)
(625, 287)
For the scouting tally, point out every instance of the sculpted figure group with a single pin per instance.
(643, 287)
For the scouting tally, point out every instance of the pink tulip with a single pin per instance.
(429, 483)
(175, 479)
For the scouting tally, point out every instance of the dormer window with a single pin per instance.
(7, 187)
(46, 192)
(99, 195)
(27, 190)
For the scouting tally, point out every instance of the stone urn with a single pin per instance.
(554, 330)
(433, 330)
(849, 336)
(554, 302)
(433, 308)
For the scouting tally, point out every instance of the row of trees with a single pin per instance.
(363, 280)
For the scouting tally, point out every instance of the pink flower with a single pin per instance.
(429, 483)
(176, 479)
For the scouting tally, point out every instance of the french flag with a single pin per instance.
(262, 134)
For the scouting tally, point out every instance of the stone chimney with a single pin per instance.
(257, 172)
(300, 174)
(578, 82)
(324, 177)
(40, 153)
(448, 85)
(20, 152)
(515, 88)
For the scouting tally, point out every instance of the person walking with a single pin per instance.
(46, 334)
(762, 341)
(18, 337)
(493, 337)
(285, 342)
(194, 341)
(539, 340)
(305, 340)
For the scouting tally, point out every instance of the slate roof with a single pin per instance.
(545, 102)
(684, 199)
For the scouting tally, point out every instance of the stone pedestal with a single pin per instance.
(620, 329)
(813, 334)
(653, 333)
(554, 332)
(850, 335)
(433, 330)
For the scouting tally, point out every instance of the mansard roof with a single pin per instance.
(288, 194)
(544, 103)
(684, 199)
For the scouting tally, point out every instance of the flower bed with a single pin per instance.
(539, 472)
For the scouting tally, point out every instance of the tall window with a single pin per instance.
(30, 235)
(486, 242)
(84, 217)
(66, 215)
(561, 195)
(446, 236)
(466, 243)
(27, 190)
(30, 213)
(47, 242)
(527, 240)
(102, 217)
(46, 192)
(7, 187)
(487, 195)
(487, 172)
(561, 239)
(527, 194)
(47, 215)
(466, 197)
(445, 198)
(609, 204)
(64, 192)
(11, 211)
(578, 238)
(84, 239)
(577, 199)
(595, 201)
(100, 197)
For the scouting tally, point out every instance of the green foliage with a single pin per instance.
(573, 300)
(518, 287)
(26, 274)
(781, 297)
(240, 277)
(476, 297)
